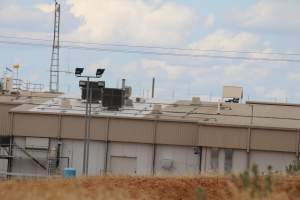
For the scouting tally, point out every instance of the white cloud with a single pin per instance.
(16, 16)
(139, 21)
(277, 94)
(260, 90)
(147, 68)
(272, 15)
(209, 21)
(245, 72)
(294, 76)
(46, 8)
(14, 13)
(224, 40)
(271, 94)
(104, 63)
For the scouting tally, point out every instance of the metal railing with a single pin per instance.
(19, 84)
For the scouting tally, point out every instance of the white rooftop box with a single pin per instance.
(232, 92)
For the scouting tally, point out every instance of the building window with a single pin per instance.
(228, 160)
(214, 161)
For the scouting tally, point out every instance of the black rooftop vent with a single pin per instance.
(113, 98)
(96, 88)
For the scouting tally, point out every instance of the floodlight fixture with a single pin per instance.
(78, 71)
(82, 83)
(101, 84)
(99, 72)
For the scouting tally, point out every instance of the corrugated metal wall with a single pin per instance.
(4, 118)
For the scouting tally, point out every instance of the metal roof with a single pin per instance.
(262, 114)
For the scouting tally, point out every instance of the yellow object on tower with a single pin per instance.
(16, 66)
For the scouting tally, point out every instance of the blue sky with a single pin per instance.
(266, 26)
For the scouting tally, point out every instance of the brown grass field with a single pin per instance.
(147, 188)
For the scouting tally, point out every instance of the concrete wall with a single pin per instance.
(143, 153)
(3, 165)
(184, 160)
(74, 150)
(183, 157)
(4, 118)
(278, 160)
(23, 164)
(239, 161)
(160, 131)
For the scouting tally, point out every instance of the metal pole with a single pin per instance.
(84, 171)
(18, 86)
(88, 133)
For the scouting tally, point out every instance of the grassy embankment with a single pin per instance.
(125, 187)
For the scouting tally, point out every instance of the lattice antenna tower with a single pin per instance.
(54, 66)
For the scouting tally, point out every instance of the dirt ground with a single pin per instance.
(123, 187)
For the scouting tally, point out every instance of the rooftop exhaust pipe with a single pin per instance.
(123, 83)
(153, 85)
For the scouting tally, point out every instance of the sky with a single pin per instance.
(264, 26)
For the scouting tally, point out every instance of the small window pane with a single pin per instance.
(214, 162)
(228, 160)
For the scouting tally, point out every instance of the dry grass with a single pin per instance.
(122, 187)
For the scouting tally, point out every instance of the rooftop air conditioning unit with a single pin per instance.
(157, 109)
(128, 102)
(95, 87)
(66, 103)
(128, 92)
(196, 101)
(7, 84)
(113, 98)
(140, 100)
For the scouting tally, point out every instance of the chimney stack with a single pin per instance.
(153, 85)
(123, 83)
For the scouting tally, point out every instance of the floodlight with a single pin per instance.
(78, 71)
(82, 83)
(99, 72)
(101, 84)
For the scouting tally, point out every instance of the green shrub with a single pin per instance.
(255, 185)
(245, 178)
(200, 193)
(293, 168)
(268, 180)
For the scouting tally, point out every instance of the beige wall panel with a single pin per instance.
(74, 127)
(273, 140)
(279, 123)
(4, 118)
(176, 133)
(124, 130)
(35, 125)
(277, 111)
(225, 137)
(98, 129)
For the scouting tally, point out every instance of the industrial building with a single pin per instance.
(42, 133)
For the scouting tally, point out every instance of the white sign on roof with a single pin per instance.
(232, 92)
